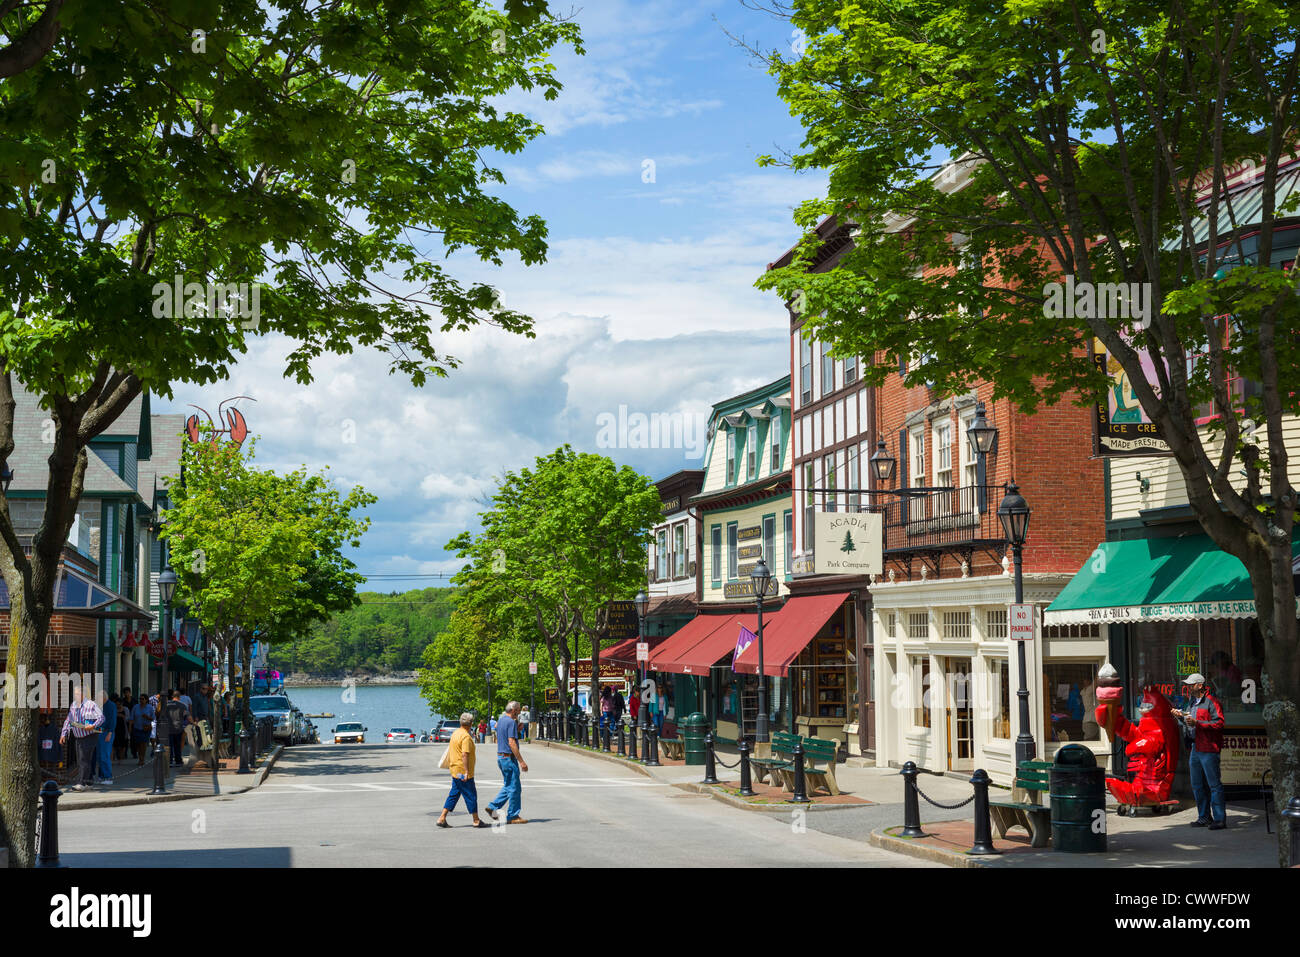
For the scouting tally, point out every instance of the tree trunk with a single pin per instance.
(1281, 689)
(19, 766)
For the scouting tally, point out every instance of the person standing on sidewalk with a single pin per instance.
(107, 704)
(460, 760)
(84, 720)
(1204, 719)
(510, 762)
(178, 716)
(141, 723)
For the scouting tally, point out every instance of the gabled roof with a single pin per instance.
(30, 457)
(165, 461)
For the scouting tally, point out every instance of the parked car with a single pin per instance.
(279, 708)
(309, 732)
(445, 730)
(350, 732)
(400, 735)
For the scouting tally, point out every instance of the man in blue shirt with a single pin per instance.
(510, 763)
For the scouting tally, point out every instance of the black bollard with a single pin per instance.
(710, 766)
(47, 848)
(983, 829)
(652, 749)
(911, 803)
(245, 751)
(1292, 814)
(607, 732)
(746, 788)
(622, 740)
(160, 759)
(800, 795)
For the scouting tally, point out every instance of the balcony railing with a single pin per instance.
(938, 517)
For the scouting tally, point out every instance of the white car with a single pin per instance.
(401, 735)
(351, 732)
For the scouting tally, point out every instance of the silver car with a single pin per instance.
(279, 708)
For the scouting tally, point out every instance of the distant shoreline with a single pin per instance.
(337, 681)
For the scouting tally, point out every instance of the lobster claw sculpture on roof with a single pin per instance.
(233, 419)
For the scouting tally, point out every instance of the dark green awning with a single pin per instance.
(1155, 579)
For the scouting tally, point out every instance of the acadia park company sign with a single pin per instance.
(848, 543)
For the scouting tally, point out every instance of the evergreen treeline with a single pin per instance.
(386, 632)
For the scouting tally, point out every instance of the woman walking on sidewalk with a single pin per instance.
(460, 760)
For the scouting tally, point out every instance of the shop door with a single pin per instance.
(961, 734)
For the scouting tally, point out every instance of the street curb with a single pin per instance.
(698, 787)
(910, 847)
(258, 777)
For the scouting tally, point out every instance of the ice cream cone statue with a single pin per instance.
(1152, 743)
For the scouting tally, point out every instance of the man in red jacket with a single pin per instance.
(1204, 717)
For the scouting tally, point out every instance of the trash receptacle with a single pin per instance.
(693, 728)
(1078, 801)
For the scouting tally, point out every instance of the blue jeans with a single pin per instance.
(511, 788)
(1206, 785)
(464, 789)
(105, 758)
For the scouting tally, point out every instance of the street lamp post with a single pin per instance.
(532, 683)
(642, 603)
(1014, 514)
(760, 577)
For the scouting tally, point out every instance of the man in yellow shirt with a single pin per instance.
(461, 763)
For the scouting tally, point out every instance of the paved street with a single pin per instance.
(375, 805)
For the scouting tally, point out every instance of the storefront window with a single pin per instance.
(1000, 669)
(921, 713)
(1230, 653)
(1070, 700)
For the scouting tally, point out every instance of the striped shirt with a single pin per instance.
(87, 712)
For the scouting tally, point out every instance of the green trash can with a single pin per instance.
(1078, 801)
(693, 728)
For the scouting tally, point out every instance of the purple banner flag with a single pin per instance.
(743, 641)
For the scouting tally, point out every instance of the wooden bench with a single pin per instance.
(776, 756)
(816, 751)
(673, 748)
(1025, 809)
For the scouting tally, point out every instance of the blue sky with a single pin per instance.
(646, 300)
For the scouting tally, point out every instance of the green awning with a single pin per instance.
(1155, 579)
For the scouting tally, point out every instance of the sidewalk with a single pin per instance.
(859, 786)
(1143, 841)
(133, 782)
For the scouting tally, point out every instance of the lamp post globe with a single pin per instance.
(882, 463)
(1014, 515)
(760, 577)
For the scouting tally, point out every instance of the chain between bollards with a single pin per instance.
(983, 829)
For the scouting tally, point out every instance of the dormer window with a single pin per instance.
(751, 449)
(731, 456)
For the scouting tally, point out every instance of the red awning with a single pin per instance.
(788, 632)
(701, 628)
(717, 645)
(620, 651)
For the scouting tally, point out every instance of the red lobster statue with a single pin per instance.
(236, 428)
(1152, 743)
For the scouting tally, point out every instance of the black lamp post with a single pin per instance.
(642, 603)
(760, 577)
(166, 591)
(983, 440)
(532, 681)
(1014, 514)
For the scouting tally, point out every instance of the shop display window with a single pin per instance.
(1230, 653)
(1070, 699)
(1000, 672)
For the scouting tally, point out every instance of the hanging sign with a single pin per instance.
(848, 543)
